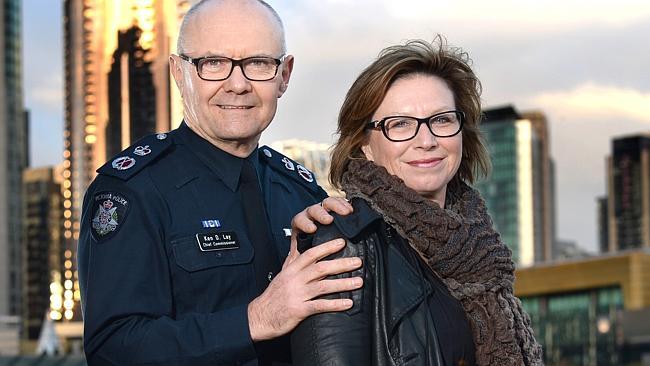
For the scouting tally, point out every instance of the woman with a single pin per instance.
(438, 280)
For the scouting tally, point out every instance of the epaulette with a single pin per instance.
(131, 160)
(289, 168)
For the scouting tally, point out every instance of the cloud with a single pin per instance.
(539, 15)
(492, 17)
(590, 100)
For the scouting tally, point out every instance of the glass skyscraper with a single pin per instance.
(628, 204)
(44, 256)
(13, 158)
(519, 193)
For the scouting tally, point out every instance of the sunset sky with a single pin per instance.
(583, 63)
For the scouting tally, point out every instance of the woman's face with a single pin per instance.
(425, 163)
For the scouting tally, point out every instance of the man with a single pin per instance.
(183, 235)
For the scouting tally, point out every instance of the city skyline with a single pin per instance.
(586, 73)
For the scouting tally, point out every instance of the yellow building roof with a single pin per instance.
(629, 270)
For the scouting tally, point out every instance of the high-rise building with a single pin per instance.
(116, 57)
(544, 183)
(131, 93)
(520, 194)
(44, 255)
(13, 157)
(603, 224)
(628, 178)
(313, 156)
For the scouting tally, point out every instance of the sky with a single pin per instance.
(583, 63)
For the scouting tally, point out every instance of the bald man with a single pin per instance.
(184, 235)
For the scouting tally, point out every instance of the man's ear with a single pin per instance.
(287, 68)
(176, 68)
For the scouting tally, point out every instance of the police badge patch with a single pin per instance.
(109, 212)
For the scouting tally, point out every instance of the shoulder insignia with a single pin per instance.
(109, 210)
(130, 161)
(289, 168)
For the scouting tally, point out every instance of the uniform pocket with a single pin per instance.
(191, 258)
(206, 281)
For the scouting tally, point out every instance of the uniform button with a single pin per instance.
(270, 276)
(267, 153)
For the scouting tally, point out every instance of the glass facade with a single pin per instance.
(500, 191)
(580, 328)
(628, 180)
(519, 193)
(44, 250)
(13, 160)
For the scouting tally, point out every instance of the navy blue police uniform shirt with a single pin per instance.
(165, 262)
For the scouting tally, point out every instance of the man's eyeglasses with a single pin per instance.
(217, 68)
(404, 128)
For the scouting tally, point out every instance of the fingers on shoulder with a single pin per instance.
(337, 204)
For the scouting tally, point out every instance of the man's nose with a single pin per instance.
(237, 82)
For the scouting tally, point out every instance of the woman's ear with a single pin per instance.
(367, 150)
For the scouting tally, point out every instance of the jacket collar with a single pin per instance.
(225, 166)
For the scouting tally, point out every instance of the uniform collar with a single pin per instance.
(227, 167)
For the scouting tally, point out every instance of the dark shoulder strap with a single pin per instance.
(133, 159)
(291, 169)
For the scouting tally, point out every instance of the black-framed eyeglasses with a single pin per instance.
(404, 128)
(217, 68)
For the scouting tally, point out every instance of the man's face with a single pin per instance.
(234, 111)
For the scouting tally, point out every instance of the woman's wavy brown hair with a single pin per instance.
(415, 57)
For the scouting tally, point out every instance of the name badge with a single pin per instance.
(223, 240)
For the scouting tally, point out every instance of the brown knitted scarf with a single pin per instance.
(461, 246)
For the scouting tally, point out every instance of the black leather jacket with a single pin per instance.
(391, 322)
